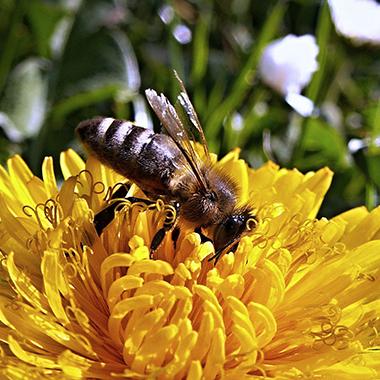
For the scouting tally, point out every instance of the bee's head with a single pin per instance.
(230, 229)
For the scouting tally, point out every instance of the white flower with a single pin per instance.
(287, 66)
(357, 19)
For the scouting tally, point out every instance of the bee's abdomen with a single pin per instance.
(137, 153)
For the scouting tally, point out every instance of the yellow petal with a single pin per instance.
(20, 175)
(154, 348)
(122, 308)
(71, 164)
(25, 287)
(52, 273)
(216, 356)
(14, 228)
(45, 361)
(195, 371)
(49, 177)
(364, 231)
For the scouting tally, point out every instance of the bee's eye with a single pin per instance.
(227, 230)
(231, 224)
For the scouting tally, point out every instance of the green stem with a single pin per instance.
(242, 83)
(200, 51)
(323, 32)
(370, 188)
(370, 196)
(322, 39)
(375, 132)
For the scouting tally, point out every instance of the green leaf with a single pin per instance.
(43, 17)
(10, 40)
(321, 146)
(80, 100)
(200, 50)
(370, 164)
(95, 56)
(24, 104)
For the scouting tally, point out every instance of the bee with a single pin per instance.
(167, 167)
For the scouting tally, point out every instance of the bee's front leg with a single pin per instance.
(169, 224)
(203, 237)
(103, 218)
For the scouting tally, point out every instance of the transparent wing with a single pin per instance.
(175, 128)
(188, 116)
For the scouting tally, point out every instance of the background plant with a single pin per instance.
(65, 61)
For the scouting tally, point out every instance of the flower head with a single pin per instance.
(287, 65)
(298, 298)
(357, 20)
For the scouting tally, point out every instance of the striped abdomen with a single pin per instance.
(146, 158)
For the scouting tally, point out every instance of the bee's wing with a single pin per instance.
(189, 117)
(174, 126)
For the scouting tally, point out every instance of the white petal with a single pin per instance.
(303, 105)
(357, 19)
(355, 144)
(288, 64)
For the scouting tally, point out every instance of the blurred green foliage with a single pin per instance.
(65, 61)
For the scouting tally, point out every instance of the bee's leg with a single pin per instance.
(175, 236)
(169, 223)
(204, 238)
(157, 240)
(103, 218)
(122, 191)
(232, 248)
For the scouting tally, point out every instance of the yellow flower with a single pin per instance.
(299, 299)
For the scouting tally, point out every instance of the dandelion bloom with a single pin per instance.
(299, 298)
